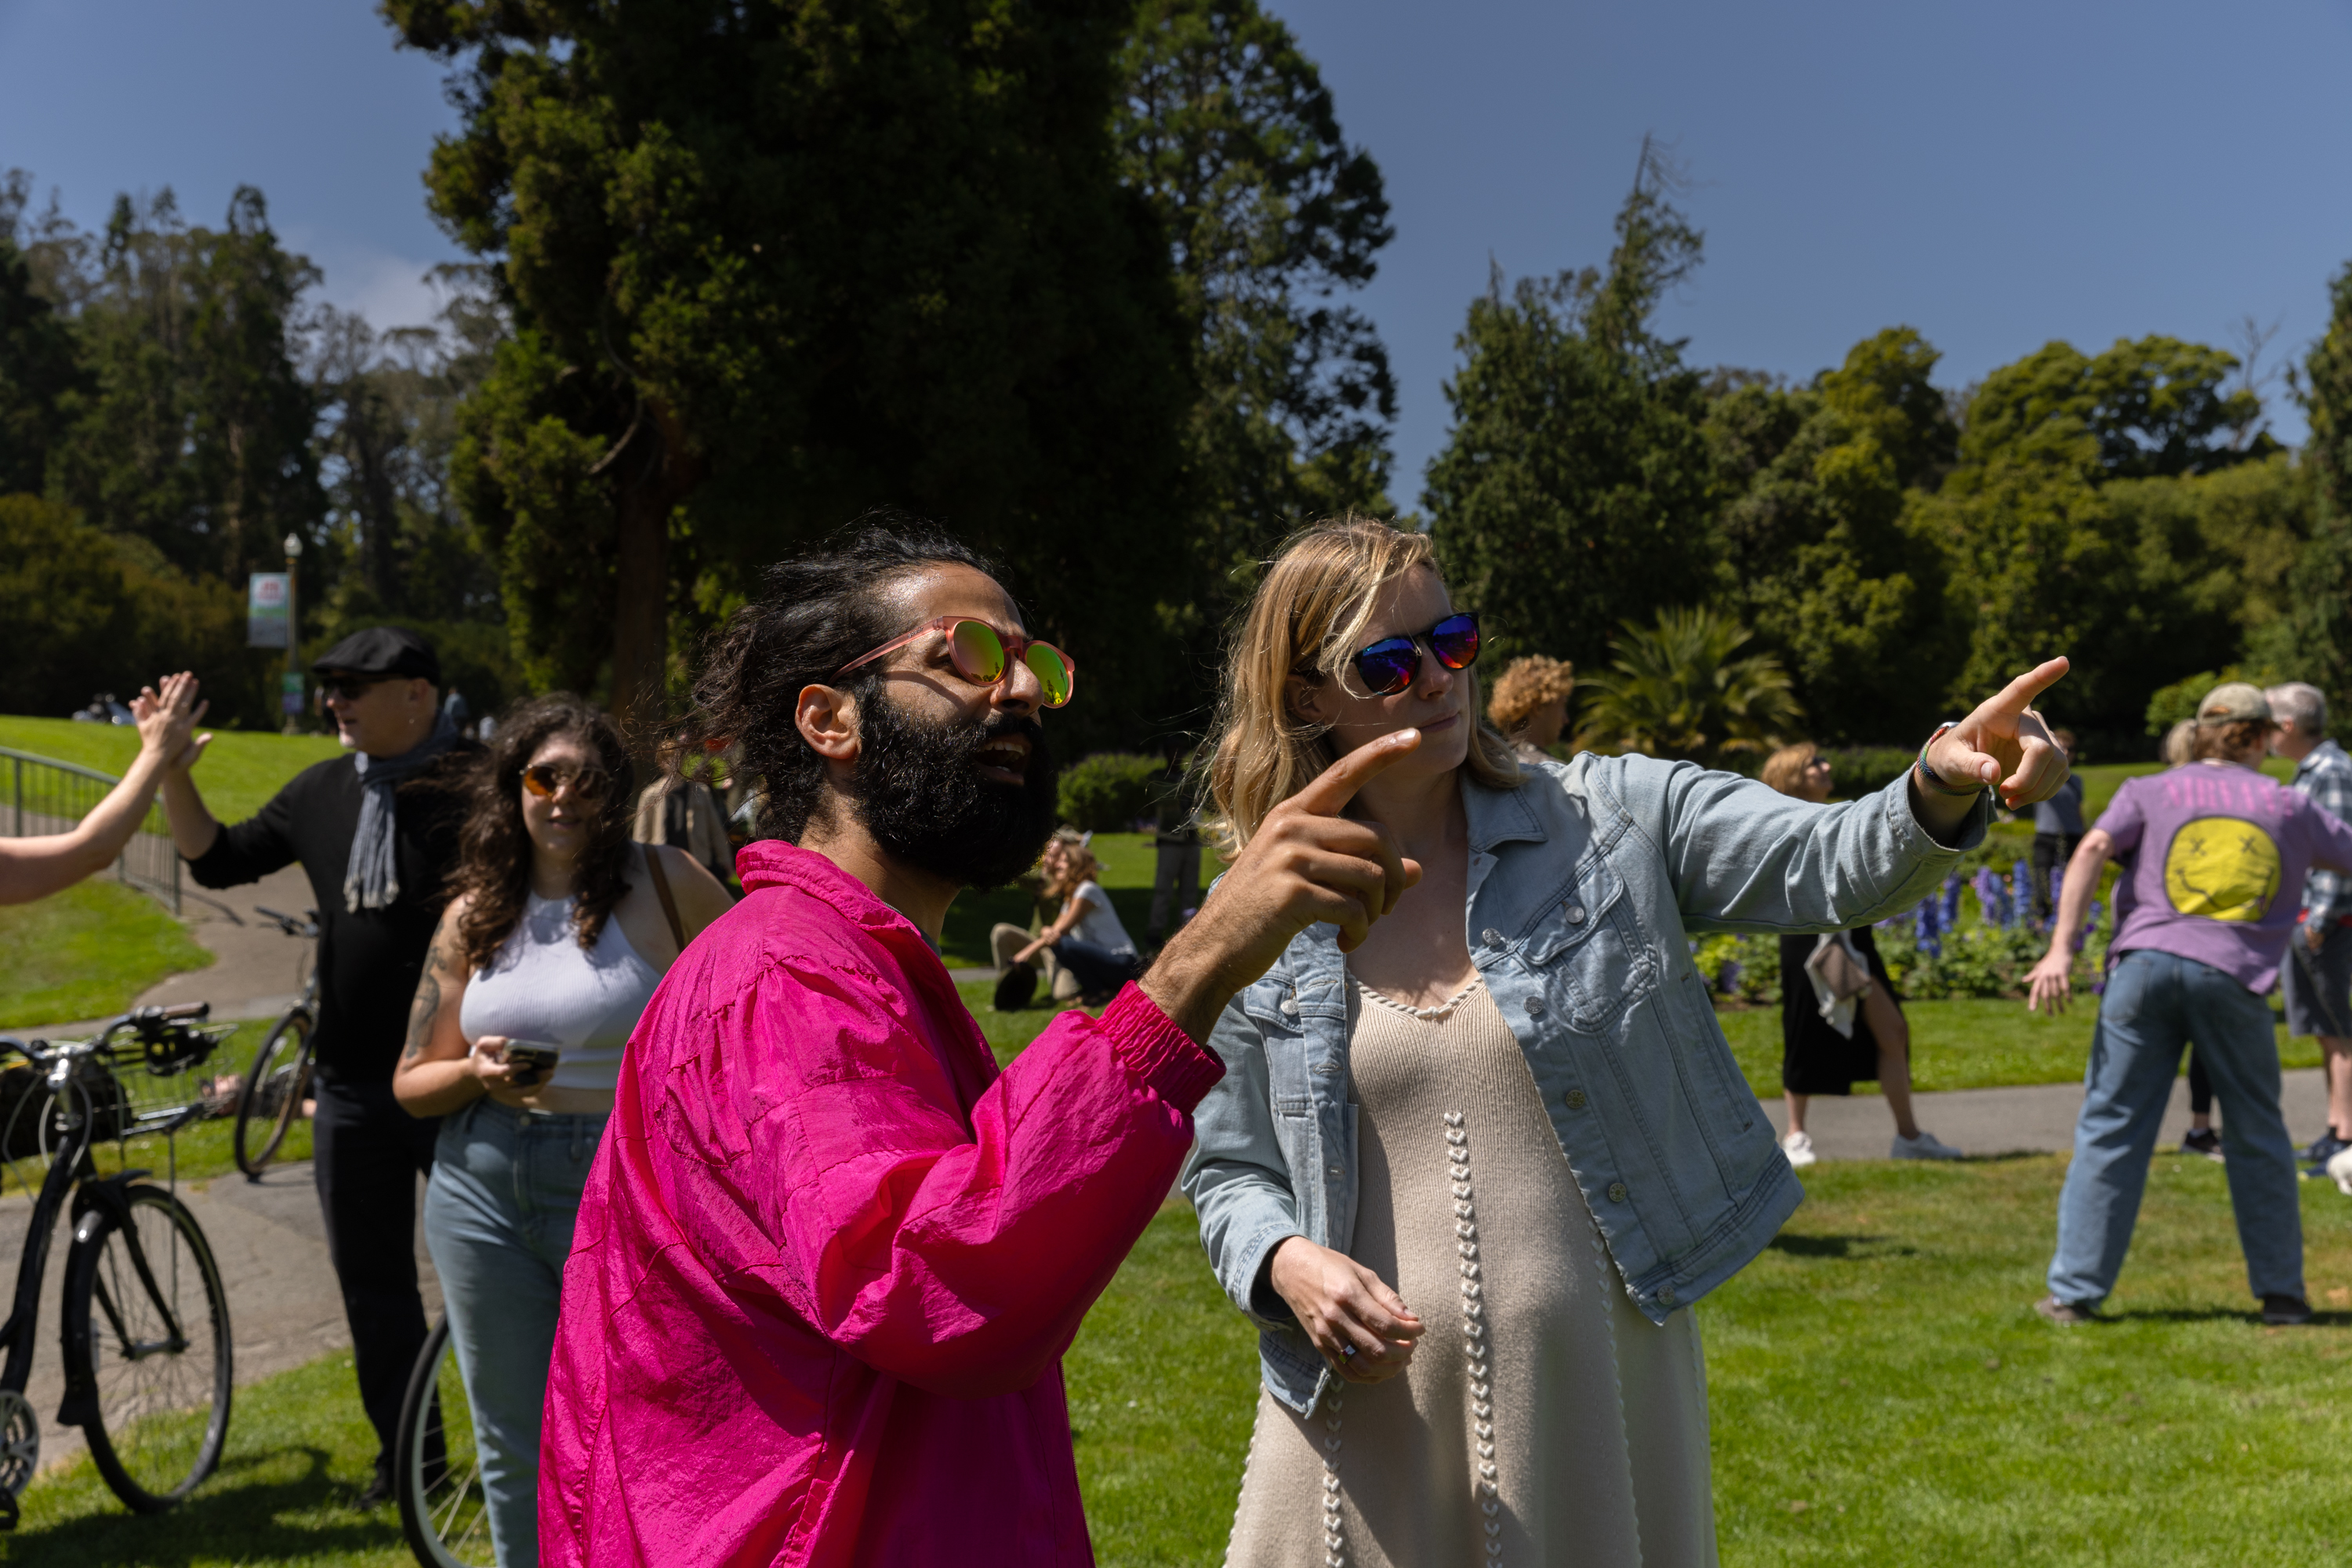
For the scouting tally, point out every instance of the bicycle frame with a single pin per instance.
(72, 1170)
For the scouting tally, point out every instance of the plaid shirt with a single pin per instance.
(2326, 775)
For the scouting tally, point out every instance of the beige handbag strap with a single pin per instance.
(661, 892)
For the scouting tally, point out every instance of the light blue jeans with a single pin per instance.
(498, 1219)
(2154, 1004)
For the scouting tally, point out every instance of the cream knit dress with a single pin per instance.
(1543, 1420)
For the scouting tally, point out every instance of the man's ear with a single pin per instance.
(827, 719)
(1303, 698)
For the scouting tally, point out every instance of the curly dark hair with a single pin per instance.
(494, 849)
(815, 612)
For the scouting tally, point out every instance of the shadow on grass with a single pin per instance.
(304, 1517)
(1840, 1246)
(2250, 1316)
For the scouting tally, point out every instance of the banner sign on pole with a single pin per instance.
(265, 610)
(289, 698)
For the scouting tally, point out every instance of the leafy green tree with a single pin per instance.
(772, 263)
(93, 612)
(192, 429)
(1226, 130)
(1814, 553)
(1680, 687)
(1575, 488)
(2065, 527)
(38, 357)
(2313, 639)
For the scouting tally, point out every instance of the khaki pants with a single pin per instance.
(1005, 940)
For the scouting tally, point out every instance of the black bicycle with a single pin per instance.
(273, 1091)
(146, 1330)
(437, 1471)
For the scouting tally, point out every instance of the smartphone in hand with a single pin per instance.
(532, 1061)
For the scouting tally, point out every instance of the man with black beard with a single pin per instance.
(829, 1255)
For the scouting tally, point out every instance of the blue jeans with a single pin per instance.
(498, 1219)
(1100, 971)
(2154, 1004)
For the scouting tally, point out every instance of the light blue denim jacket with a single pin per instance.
(1582, 885)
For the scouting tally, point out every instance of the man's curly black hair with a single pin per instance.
(814, 612)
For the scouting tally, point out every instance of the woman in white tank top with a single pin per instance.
(559, 930)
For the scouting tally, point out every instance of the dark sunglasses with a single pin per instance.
(984, 656)
(1389, 666)
(352, 687)
(588, 785)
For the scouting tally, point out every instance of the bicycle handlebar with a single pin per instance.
(288, 924)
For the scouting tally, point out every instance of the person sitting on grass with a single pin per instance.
(1830, 1040)
(48, 863)
(830, 1255)
(1087, 936)
(1017, 983)
(2220, 856)
(1530, 705)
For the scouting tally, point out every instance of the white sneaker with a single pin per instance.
(2339, 1165)
(1926, 1146)
(1799, 1147)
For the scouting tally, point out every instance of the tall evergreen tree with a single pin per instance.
(38, 364)
(1575, 489)
(1226, 130)
(192, 429)
(772, 263)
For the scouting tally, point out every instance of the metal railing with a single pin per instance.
(46, 795)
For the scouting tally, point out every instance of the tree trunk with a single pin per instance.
(648, 486)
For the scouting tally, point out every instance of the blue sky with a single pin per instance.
(1996, 175)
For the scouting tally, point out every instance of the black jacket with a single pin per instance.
(369, 962)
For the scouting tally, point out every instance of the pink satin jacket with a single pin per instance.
(829, 1257)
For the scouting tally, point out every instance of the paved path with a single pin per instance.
(271, 1246)
(255, 970)
(2033, 1119)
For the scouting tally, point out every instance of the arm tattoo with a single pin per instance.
(427, 1006)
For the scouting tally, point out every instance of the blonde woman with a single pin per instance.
(1828, 1042)
(1467, 1175)
(1530, 705)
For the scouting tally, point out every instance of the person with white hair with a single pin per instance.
(2317, 978)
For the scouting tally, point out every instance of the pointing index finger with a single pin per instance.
(2018, 696)
(1337, 786)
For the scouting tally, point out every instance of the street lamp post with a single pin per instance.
(293, 632)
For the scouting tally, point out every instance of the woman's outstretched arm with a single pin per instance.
(35, 868)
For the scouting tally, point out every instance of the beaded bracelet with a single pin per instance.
(1936, 779)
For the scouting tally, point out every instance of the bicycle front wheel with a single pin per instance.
(147, 1338)
(437, 1471)
(272, 1096)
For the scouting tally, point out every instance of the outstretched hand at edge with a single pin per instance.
(2004, 743)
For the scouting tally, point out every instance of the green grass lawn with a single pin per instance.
(1881, 1393)
(1968, 1043)
(240, 770)
(299, 1451)
(86, 952)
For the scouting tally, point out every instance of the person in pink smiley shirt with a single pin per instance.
(829, 1255)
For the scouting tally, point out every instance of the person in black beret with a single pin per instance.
(376, 831)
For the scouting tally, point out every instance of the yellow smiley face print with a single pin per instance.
(2222, 867)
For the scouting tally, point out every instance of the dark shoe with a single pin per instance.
(2324, 1148)
(2285, 1311)
(2065, 1314)
(378, 1491)
(1015, 987)
(2202, 1140)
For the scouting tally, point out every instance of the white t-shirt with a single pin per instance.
(1098, 922)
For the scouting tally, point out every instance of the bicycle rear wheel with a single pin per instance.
(437, 1472)
(272, 1095)
(147, 1336)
